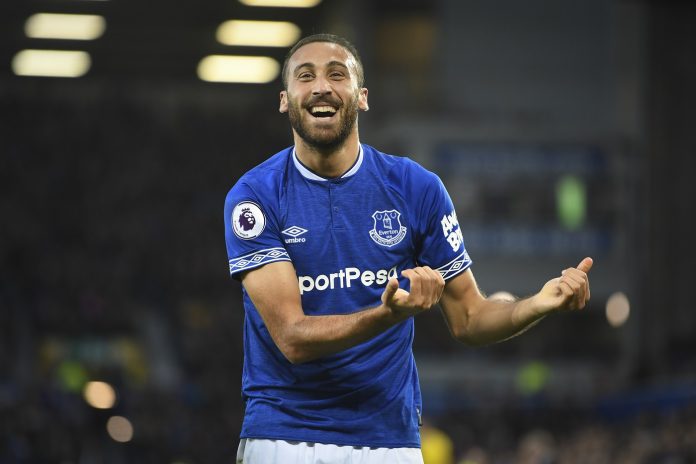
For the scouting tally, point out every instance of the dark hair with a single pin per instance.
(331, 38)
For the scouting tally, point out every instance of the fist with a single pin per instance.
(569, 291)
(426, 286)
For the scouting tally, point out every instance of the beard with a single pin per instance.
(319, 138)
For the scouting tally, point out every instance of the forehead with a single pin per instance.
(321, 54)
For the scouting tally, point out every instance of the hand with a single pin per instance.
(569, 291)
(426, 289)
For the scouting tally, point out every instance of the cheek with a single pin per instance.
(295, 103)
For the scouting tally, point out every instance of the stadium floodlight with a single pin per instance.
(64, 26)
(51, 63)
(240, 69)
(282, 3)
(258, 33)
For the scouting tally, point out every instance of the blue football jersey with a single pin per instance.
(345, 237)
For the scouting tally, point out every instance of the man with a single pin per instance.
(346, 244)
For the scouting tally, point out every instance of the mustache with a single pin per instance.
(329, 99)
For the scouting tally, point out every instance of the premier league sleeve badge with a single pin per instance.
(248, 220)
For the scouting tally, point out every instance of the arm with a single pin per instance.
(476, 320)
(274, 290)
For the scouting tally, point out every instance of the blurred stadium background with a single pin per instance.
(561, 128)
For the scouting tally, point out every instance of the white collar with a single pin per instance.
(312, 176)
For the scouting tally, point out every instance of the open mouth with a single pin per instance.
(322, 111)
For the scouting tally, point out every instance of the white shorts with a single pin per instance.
(261, 451)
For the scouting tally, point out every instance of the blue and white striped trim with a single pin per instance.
(258, 258)
(456, 266)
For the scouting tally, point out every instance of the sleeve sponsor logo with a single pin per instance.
(451, 230)
(248, 221)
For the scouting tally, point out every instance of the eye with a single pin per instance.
(305, 76)
(337, 75)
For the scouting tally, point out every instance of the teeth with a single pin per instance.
(323, 109)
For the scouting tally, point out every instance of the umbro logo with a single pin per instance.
(295, 232)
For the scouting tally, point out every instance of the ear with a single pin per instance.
(362, 100)
(283, 108)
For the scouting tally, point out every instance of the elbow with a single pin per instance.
(463, 331)
(467, 337)
(295, 351)
(290, 340)
(290, 352)
(295, 356)
(460, 333)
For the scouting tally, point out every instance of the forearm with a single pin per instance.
(492, 320)
(273, 289)
(476, 320)
(311, 337)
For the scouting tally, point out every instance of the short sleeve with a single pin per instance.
(251, 231)
(442, 242)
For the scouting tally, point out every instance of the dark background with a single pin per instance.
(112, 257)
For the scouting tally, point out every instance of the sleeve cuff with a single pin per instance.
(257, 259)
(458, 265)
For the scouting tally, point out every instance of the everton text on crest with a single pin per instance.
(387, 230)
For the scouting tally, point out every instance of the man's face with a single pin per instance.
(323, 97)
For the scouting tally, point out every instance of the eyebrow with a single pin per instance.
(312, 65)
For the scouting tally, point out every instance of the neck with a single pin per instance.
(329, 162)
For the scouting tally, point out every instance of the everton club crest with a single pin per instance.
(387, 230)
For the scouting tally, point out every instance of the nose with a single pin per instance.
(321, 86)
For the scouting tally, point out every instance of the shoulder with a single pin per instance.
(402, 171)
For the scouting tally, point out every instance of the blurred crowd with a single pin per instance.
(113, 267)
(556, 438)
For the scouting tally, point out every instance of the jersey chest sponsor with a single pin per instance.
(347, 277)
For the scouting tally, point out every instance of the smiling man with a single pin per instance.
(338, 246)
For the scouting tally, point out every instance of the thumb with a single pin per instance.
(390, 290)
(585, 265)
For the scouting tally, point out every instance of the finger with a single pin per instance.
(390, 290)
(580, 288)
(576, 283)
(438, 282)
(565, 288)
(432, 285)
(584, 285)
(575, 278)
(586, 264)
(576, 272)
(579, 276)
(426, 285)
(440, 279)
(416, 286)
